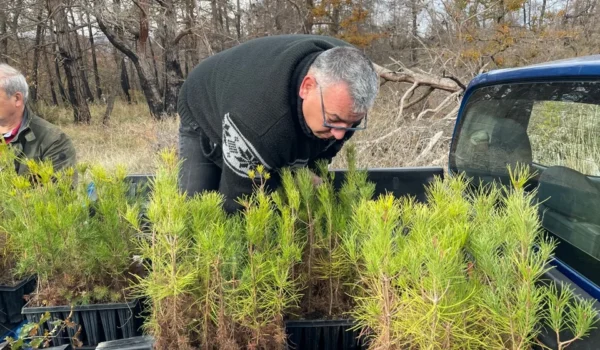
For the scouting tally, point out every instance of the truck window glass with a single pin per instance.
(553, 127)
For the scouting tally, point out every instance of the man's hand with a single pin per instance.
(316, 180)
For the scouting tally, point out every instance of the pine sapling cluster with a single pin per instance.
(459, 271)
(216, 280)
(8, 258)
(324, 214)
(167, 253)
(266, 288)
(215, 251)
(76, 242)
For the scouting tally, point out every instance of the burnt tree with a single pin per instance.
(160, 105)
(77, 95)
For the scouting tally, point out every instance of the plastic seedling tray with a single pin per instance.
(135, 343)
(11, 300)
(99, 322)
(323, 334)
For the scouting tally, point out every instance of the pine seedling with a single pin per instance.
(216, 245)
(327, 266)
(266, 287)
(7, 249)
(101, 293)
(171, 273)
(437, 298)
(255, 291)
(565, 311)
(510, 255)
(310, 216)
(288, 294)
(110, 237)
(289, 253)
(47, 222)
(335, 210)
(376, 256)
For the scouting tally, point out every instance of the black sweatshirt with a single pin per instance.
(245, 100)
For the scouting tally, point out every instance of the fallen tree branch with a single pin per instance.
(406, 75)
(429, 147)
(452, 114)
(408, 92)
(439, 107)
(421, 98)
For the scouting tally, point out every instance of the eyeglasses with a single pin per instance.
(327, 125)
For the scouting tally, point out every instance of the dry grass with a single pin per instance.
(133, 138)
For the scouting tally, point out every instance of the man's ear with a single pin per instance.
(308, 84)
(19, 99)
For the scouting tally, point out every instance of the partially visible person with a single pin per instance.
(29, 135)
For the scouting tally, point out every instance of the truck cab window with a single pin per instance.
(555, 129)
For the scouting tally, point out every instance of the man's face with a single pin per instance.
(336, 103)
(10, 106)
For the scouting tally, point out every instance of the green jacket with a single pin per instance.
(39, 140)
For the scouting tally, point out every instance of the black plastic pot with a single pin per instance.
(11, 300)
(323, 335)
(99, 323)
(135, 343)
(4, 346)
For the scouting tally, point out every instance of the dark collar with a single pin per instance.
(25, 130)
(296, 101)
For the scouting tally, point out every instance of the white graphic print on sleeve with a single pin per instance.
(239, 154)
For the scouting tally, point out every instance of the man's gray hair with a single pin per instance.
(12, 81)
(350, 66)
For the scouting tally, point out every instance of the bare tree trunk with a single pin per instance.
(225, 14)
(81, 111)
(156, 79)
(309, 19)
(173, 76)
(33, 87)
(3, 37)
(109, 108)
(94, 59)
(542, 12)
(57, 59)
(413, 40)
(501, 12)
(61, 86)
(119, 58)
(50, 77)
(134, 84)
(81, 61)
(15, 30)
(217, 23)
(192, 51)
(335, 16)
(142, 66)
(529, 24)
(278, 10)
(124, 79)
(238, 20)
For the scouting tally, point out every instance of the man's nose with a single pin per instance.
(338, 133)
